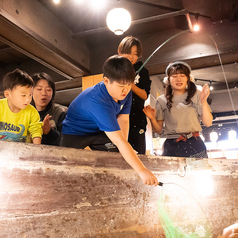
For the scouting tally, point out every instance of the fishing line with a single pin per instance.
(172, 37)
(218, 53)
(223, 71)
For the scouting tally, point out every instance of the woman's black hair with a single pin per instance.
(191, 89)
(38, 76)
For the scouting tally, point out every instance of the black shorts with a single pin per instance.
(95, 142)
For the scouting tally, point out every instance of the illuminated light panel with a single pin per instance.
(232, 135)
(56, 1)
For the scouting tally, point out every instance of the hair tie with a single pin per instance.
(166, 80)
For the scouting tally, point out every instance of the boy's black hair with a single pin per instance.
(38, 76)
(127, 43)
(119, 69)
(17, 78)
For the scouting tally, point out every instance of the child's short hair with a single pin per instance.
(38, 76)
(126, 44)
(119, 69)
(15, 78)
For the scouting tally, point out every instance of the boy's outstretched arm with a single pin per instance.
(132, 159)
(123, 121)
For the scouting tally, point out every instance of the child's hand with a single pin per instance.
(47, 126)
(149, 112)
(204, 94)
(148, 177)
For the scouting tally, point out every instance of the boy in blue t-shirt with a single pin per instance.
(99, 116)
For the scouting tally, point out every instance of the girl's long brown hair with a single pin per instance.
(191, 89)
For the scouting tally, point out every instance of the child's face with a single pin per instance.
(133, 56)
(118, 91)
(178, 82)
(19, 97)
(42, 94)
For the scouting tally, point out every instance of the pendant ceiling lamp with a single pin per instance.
(118, 20)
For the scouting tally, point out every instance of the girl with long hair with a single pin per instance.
(179, 112)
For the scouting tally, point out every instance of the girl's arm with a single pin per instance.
(151, 113)
(139, 92)
(206, 115)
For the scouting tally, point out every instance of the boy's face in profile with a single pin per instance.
(118, 91)
(19, 97)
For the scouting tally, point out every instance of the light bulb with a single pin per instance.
(199, 87)
(232, 134)
(213, 136)
(118, 20)
(196, 27)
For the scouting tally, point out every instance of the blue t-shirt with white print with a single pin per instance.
(93, 111)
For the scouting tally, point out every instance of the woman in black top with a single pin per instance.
(52, 114)
(131, 48)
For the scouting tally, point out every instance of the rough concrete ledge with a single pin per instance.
(48, 191)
